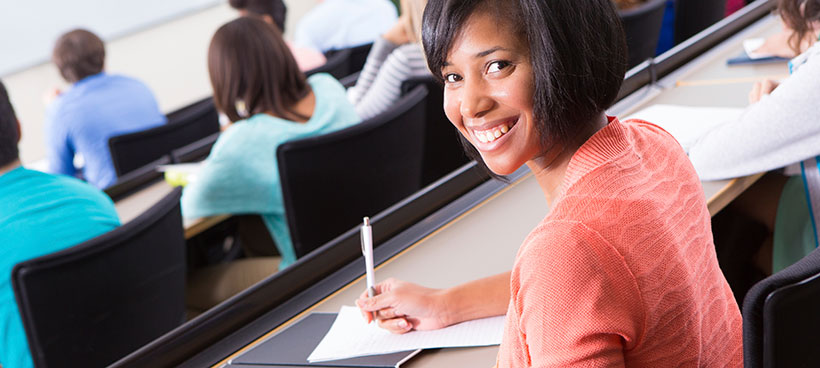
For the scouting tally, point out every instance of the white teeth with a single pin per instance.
(487, 136)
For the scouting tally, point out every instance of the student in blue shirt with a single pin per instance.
(39, 214)
(98, 106)
(338, 24)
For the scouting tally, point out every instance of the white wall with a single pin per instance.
(169, 55)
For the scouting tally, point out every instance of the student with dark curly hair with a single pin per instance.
(622, 271)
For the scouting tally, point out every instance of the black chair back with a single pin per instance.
(443, 153)
(356, 57)
(330, 182)
(781, 319)
(693, 16)
(134, 150)
(642, 25)
(336, 65)
(196, 151)
(91, 304)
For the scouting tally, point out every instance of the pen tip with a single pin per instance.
(366, 221)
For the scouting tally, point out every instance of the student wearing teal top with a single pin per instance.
(39, 214)
(259, 87)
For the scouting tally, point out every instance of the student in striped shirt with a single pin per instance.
(395, 57)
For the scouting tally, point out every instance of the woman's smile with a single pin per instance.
(488, 94)
(491, 135)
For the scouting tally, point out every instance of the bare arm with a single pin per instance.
(402, 306)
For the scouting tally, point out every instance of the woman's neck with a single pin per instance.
(4, 169)
(550, 169)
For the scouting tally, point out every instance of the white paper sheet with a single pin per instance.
(350, 336)
(686, 123)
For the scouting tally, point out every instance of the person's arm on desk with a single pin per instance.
(402, 306)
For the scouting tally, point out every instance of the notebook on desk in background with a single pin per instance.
(749, 56)
(291, 347)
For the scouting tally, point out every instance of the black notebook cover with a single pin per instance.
(291, 347)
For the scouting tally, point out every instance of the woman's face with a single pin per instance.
(488, 93)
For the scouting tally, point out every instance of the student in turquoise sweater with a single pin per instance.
(39, 214)
(258, 86)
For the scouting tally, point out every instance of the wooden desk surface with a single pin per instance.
(484, 240)
(132, 206)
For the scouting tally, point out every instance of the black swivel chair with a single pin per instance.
(336, 65)
(135, 150)
(642, 25)
(781, 317)
(91, 304)
(330, 182)
(693, 16)
(443, 153)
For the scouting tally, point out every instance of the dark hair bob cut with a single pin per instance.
(577, 50)
(250, 65)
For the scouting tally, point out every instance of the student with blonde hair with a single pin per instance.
(396, 56)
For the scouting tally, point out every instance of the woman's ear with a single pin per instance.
(19, 131)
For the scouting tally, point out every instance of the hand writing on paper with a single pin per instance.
(761, 89)
(401, 306)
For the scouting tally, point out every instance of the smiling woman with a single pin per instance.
(622, 271)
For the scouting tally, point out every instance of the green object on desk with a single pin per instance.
(177, 178)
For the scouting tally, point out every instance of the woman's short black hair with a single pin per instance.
(577, 50)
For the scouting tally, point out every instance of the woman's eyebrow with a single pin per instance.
(479, 54)
(488, 52)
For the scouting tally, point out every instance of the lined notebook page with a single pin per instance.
(686, 123)
(350, 336)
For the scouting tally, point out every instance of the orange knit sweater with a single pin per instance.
(622, 271)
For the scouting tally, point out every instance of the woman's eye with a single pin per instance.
(451, 78)
(496, 66)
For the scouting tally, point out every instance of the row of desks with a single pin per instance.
(491, 222)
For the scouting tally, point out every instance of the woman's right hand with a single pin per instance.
(401, 306)
(761, 89)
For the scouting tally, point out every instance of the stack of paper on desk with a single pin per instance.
(350, 336)
(686, 123)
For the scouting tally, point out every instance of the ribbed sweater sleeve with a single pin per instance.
(623, 271)
(775, 132)
(379, 84)
(566, 271)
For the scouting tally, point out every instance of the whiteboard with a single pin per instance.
(28, 29)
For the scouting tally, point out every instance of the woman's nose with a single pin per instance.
(475, 102)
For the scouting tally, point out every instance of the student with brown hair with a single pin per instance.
(97, 107)
(258, 86)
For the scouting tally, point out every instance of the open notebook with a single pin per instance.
(686, 123)
(291, 347)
